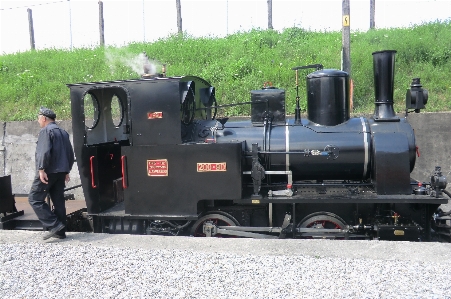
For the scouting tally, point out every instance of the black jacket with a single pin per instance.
(54, 152)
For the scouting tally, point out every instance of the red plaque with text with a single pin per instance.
(157, 167)
(154, 115)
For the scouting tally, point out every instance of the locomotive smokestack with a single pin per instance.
(384, 73)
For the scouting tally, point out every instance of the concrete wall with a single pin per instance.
(433, 138)
(17, 149)
(18, 142)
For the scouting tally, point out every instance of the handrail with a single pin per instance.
(123, 160)
(92, 172)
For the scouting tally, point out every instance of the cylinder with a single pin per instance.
(384, 74)
(328, 97)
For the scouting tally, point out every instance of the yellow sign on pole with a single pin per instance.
(346, 20)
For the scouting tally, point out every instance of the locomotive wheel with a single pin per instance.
(218, 218)
(322, 220)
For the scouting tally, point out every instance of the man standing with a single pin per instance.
(54, 160)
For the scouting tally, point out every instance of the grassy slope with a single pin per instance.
(235, 65)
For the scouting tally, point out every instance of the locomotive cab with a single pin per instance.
(128, 143)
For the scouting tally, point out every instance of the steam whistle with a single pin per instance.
(147, 68)
(163, 70)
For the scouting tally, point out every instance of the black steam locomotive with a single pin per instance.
(154, 159)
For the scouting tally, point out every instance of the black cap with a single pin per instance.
(47, 112)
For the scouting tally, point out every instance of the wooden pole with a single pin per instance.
(101, 25)
(346, 33)
(179, 16)
(30, 28)
(270, 14)
(372, 14)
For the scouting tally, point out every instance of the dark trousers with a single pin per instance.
(38, 194)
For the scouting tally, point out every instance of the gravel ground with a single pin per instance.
(87, 265)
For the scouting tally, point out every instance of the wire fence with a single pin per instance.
(68, 24)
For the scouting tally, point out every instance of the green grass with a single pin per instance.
(235, 65)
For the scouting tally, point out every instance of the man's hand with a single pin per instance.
(43, 176)
(67, 178)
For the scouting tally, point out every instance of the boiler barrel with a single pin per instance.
(307, 145)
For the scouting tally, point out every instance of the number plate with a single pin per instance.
(207, 167)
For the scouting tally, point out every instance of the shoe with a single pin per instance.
(53, 231)
(59, 236)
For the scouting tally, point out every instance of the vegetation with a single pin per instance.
(235, 65)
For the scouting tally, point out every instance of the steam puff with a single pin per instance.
(140, 63)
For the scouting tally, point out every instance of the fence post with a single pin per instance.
(101, 24)
(270, 14)
(346, 33)
(179, 16)
(30, 28)
(372, 13)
